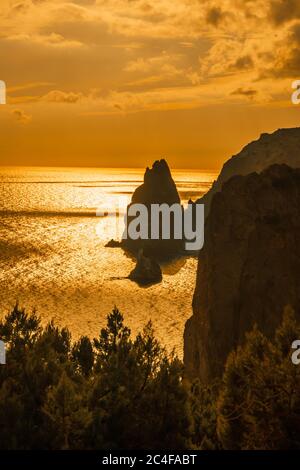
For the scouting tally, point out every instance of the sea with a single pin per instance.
(54, 224)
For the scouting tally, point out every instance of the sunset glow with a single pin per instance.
(119, 83)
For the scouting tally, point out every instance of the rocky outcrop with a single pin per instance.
(283, 146)
(113, 244)
(158, 188)
(147, 271)
(248, 270)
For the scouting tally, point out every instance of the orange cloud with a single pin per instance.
(21, 116)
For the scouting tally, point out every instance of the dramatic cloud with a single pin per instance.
(284, 10)
(214, 16)
(249, 93)
(119, 58)
(21, 116)
(56, 96)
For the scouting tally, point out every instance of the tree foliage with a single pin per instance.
(121, 392)
(259, 403)
(114, 392)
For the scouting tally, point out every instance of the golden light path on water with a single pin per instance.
(53, 257)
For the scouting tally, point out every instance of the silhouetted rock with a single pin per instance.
(147, 270)
(283, 146)
(248, 270)
(158, 188)
(113, 244)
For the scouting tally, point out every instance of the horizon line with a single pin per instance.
(210, 170)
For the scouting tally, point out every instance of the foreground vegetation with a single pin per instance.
(119, 392)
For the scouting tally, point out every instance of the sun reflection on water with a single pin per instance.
(53, 258)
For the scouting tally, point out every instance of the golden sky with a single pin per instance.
(124, 82)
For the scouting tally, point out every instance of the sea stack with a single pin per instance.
(248, 270)
(158, 188)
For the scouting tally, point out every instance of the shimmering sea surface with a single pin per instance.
(52, 254)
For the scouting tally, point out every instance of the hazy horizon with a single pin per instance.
(89, 167)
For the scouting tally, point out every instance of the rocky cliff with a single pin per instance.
(249, 268)
(283, 146)
(158, 188)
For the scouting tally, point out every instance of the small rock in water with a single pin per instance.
(147, 270)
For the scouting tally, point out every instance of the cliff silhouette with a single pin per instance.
(281, 147)
(248, 270)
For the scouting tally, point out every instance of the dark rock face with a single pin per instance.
(282, 147)
(147, 271)
(158, 188)
(113, 244)
(249, 268)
